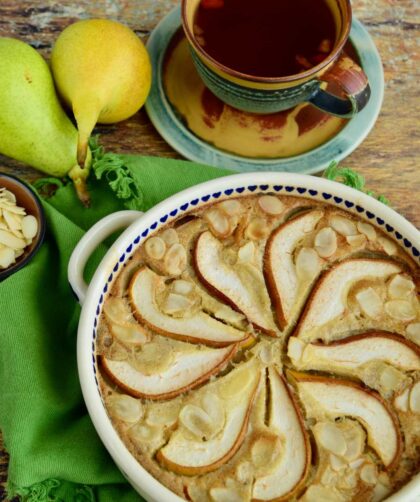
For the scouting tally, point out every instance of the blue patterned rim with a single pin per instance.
(340, 202)
(175, 132)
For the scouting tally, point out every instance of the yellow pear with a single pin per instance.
(102, 71)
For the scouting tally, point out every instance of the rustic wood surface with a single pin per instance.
(387, 158)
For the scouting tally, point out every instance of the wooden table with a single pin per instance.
(387, 158)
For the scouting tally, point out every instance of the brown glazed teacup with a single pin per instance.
(269, 94)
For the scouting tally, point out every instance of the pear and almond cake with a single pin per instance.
(267, 348)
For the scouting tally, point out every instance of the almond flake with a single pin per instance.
(219, 223)
(7, 257)
(225, 495)
(343, 225)
(390, 378)
(231, 207)
(400, 287)
(370, 302)
(29, 226)
(125, 408)
(326, 242)
(175, 259)
(271, 205)
(356, 241)
(402, 400)
(337, 463)
(155, 247)
(246, 253)
(369, 474)
(330, 437)
(175, 304)
(367, 229)
(308, 264)
(400, 310)
(170, 236)
(388, 246)
(181, 287)
(11, 241)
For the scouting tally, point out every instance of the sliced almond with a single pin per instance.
(131, 334)
(149, 433)
(401, 402)
(369, 474)
(390, 379)
(270, 205)
(355, 442)
(197, 421)
(163, 414)
(245, 472)
(7, 257)
(13, 221)
(29, 225)
(329, 477)
(246, 253)
(175, 259)
(175, 304)
(7, 195)
(337, 463)
(388, 246)
(330, 437)
(219, 223)
(231, 207)
(367, 229)
(326, 242)
(265, 451)
(225, 495)
(257, 229)
(415, 398)
(155, 248)
(370, 302)
(400, 287)
(11, 241)
(181, 287)
(413, 332)
(356, 241)
(308, 264)
(343, 225)
(125, 408)
(356, 464)
(117, 310)
(170, 236)
(400, 310)
(267, 354)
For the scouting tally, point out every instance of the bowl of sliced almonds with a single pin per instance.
(22, 225)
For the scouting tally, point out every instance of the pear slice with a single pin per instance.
(328, 300)
(336, 398)
(198, 328)
(187, 371)
(187, 454)
(280, 271)
(240, 285)
(290, 473)
(347, 355)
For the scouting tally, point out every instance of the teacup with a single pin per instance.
(273, 94)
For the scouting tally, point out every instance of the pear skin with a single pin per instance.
(103, 73)
(33, 126)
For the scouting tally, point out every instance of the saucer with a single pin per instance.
(203, 129)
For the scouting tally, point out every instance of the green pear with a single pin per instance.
(33, 126)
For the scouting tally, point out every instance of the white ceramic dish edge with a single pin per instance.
(373, 210)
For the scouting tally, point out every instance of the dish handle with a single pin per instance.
(89, 242)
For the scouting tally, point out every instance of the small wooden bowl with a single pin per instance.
(26, 198)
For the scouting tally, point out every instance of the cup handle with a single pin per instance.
(89, 242)
(352, 80)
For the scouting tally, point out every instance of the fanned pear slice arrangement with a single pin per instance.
(240, 285)
(197, 328)
(203, 443)
(290, 472)
(327, 305)
(186, 371)
(336, 398)
(206, 333)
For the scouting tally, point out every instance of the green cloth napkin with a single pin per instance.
(55, 453)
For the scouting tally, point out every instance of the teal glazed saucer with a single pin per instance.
(201, 128)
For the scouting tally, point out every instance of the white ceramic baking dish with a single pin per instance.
(140, 226)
